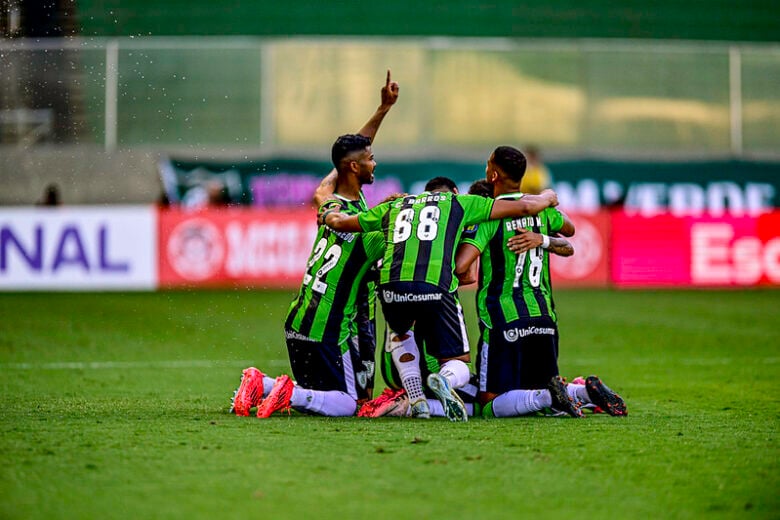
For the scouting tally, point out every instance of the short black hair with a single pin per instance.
(511, 161)
(345, 145)
(482, 188)
(437, 183)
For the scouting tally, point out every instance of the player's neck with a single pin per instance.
(502, 188)
(348, 187)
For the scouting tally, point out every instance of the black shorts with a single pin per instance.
(436, 315)
(323, 366)
(521, 355)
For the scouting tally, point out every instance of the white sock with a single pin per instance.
(331, 403)
(520, 402)
(406, 358)
(578, 393)
(456, 372)
(268, 384)
(437, 409)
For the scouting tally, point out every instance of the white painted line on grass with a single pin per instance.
(701, 362)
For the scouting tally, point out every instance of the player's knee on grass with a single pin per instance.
(456, 372)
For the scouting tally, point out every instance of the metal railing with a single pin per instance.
(574, 96)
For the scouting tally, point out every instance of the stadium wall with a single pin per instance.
(146, 248)
(84, 174)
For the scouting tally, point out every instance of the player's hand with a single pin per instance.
(390, 91)
(322, 218)
(523, 241)
(393, 196)
(551, 196)
(329, 206)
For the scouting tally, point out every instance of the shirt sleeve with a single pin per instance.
(329, 204)
(371, 220)
(554, 220)
(483, 234)
(476, 209)
(374, 243)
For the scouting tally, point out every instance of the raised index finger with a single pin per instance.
(387, 83)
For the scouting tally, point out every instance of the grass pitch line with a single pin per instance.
(700, 362)
(109, 365)
(283, 363)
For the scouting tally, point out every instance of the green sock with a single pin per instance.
(487, 410)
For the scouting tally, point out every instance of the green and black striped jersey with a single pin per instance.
(325, 307)
(513, 286)
(421, 233)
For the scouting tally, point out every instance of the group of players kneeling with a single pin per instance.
(421, 247)
(442, 397)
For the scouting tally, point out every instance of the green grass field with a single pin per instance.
(116, 406)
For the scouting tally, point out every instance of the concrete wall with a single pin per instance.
(85, 175)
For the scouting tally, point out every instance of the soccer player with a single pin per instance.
(320, 327)
(394, 400)
(518, 350)
(417, 281)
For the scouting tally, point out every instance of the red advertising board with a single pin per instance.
(695, 251)
(589, 267)
(232, 247)
(260, 248)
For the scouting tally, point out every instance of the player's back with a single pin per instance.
(421, 234)
(511, 285)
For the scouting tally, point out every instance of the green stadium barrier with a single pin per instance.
(647, 188)
(666, 19)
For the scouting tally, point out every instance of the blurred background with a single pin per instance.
(658, 108)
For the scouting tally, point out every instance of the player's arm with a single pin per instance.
(389, 95)
(567, 229)
(338, 221)
(370, 220)
(326, 189)
(526, 240)
(466, 266)
(527, 205)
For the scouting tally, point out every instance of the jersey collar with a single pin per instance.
(515, 195)
(349, 200)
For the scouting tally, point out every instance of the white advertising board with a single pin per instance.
(78, 248)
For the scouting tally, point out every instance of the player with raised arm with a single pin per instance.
(417, 282)
(320, 327)
(518, 350)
